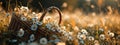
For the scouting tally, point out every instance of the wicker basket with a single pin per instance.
(16, 23)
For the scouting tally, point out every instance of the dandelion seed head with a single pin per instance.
(111, 34)
(102, 37)
(81, 37)
(101, 29)
(90, 38)
(23, 18)
(32, 37)
(24, 9)
(20, 32)
(43, 41)
(34, 27)
(83, 31)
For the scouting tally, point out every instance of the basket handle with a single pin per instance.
(51, 8)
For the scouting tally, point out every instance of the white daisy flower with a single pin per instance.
(24, 9)
(32, 37)
(111, 34)
(102, 37)
(101, 29)
(23, 18)
(63, 28)
(20, 32)
(34, 27)
(90, 38)
(22, 43)
(43, 41)
(81, 37)
(34, 19)
(83, 31)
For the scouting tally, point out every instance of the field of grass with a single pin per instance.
(76, 28)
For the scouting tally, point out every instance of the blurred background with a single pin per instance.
(87, 6)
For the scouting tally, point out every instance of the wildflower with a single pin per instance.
(20, 32)
(24, 9)
(34, 27)
(34, 19)
(22, 43)
(63, 28)
(100, 29)
(48, 26)
(43, 41)
(90, 38)
(83, 31)
(32, 37)
(23, 18)
(111, 34)
(81, 37)
(102, 37)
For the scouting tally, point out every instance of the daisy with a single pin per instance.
(32, 37)
(102, 37)
(81, 37)
(34, 27)
(24, 9)
(43, 41)
(23, 18)
(83, 31)
(111, 34)
(20, 32)
(90, 38)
